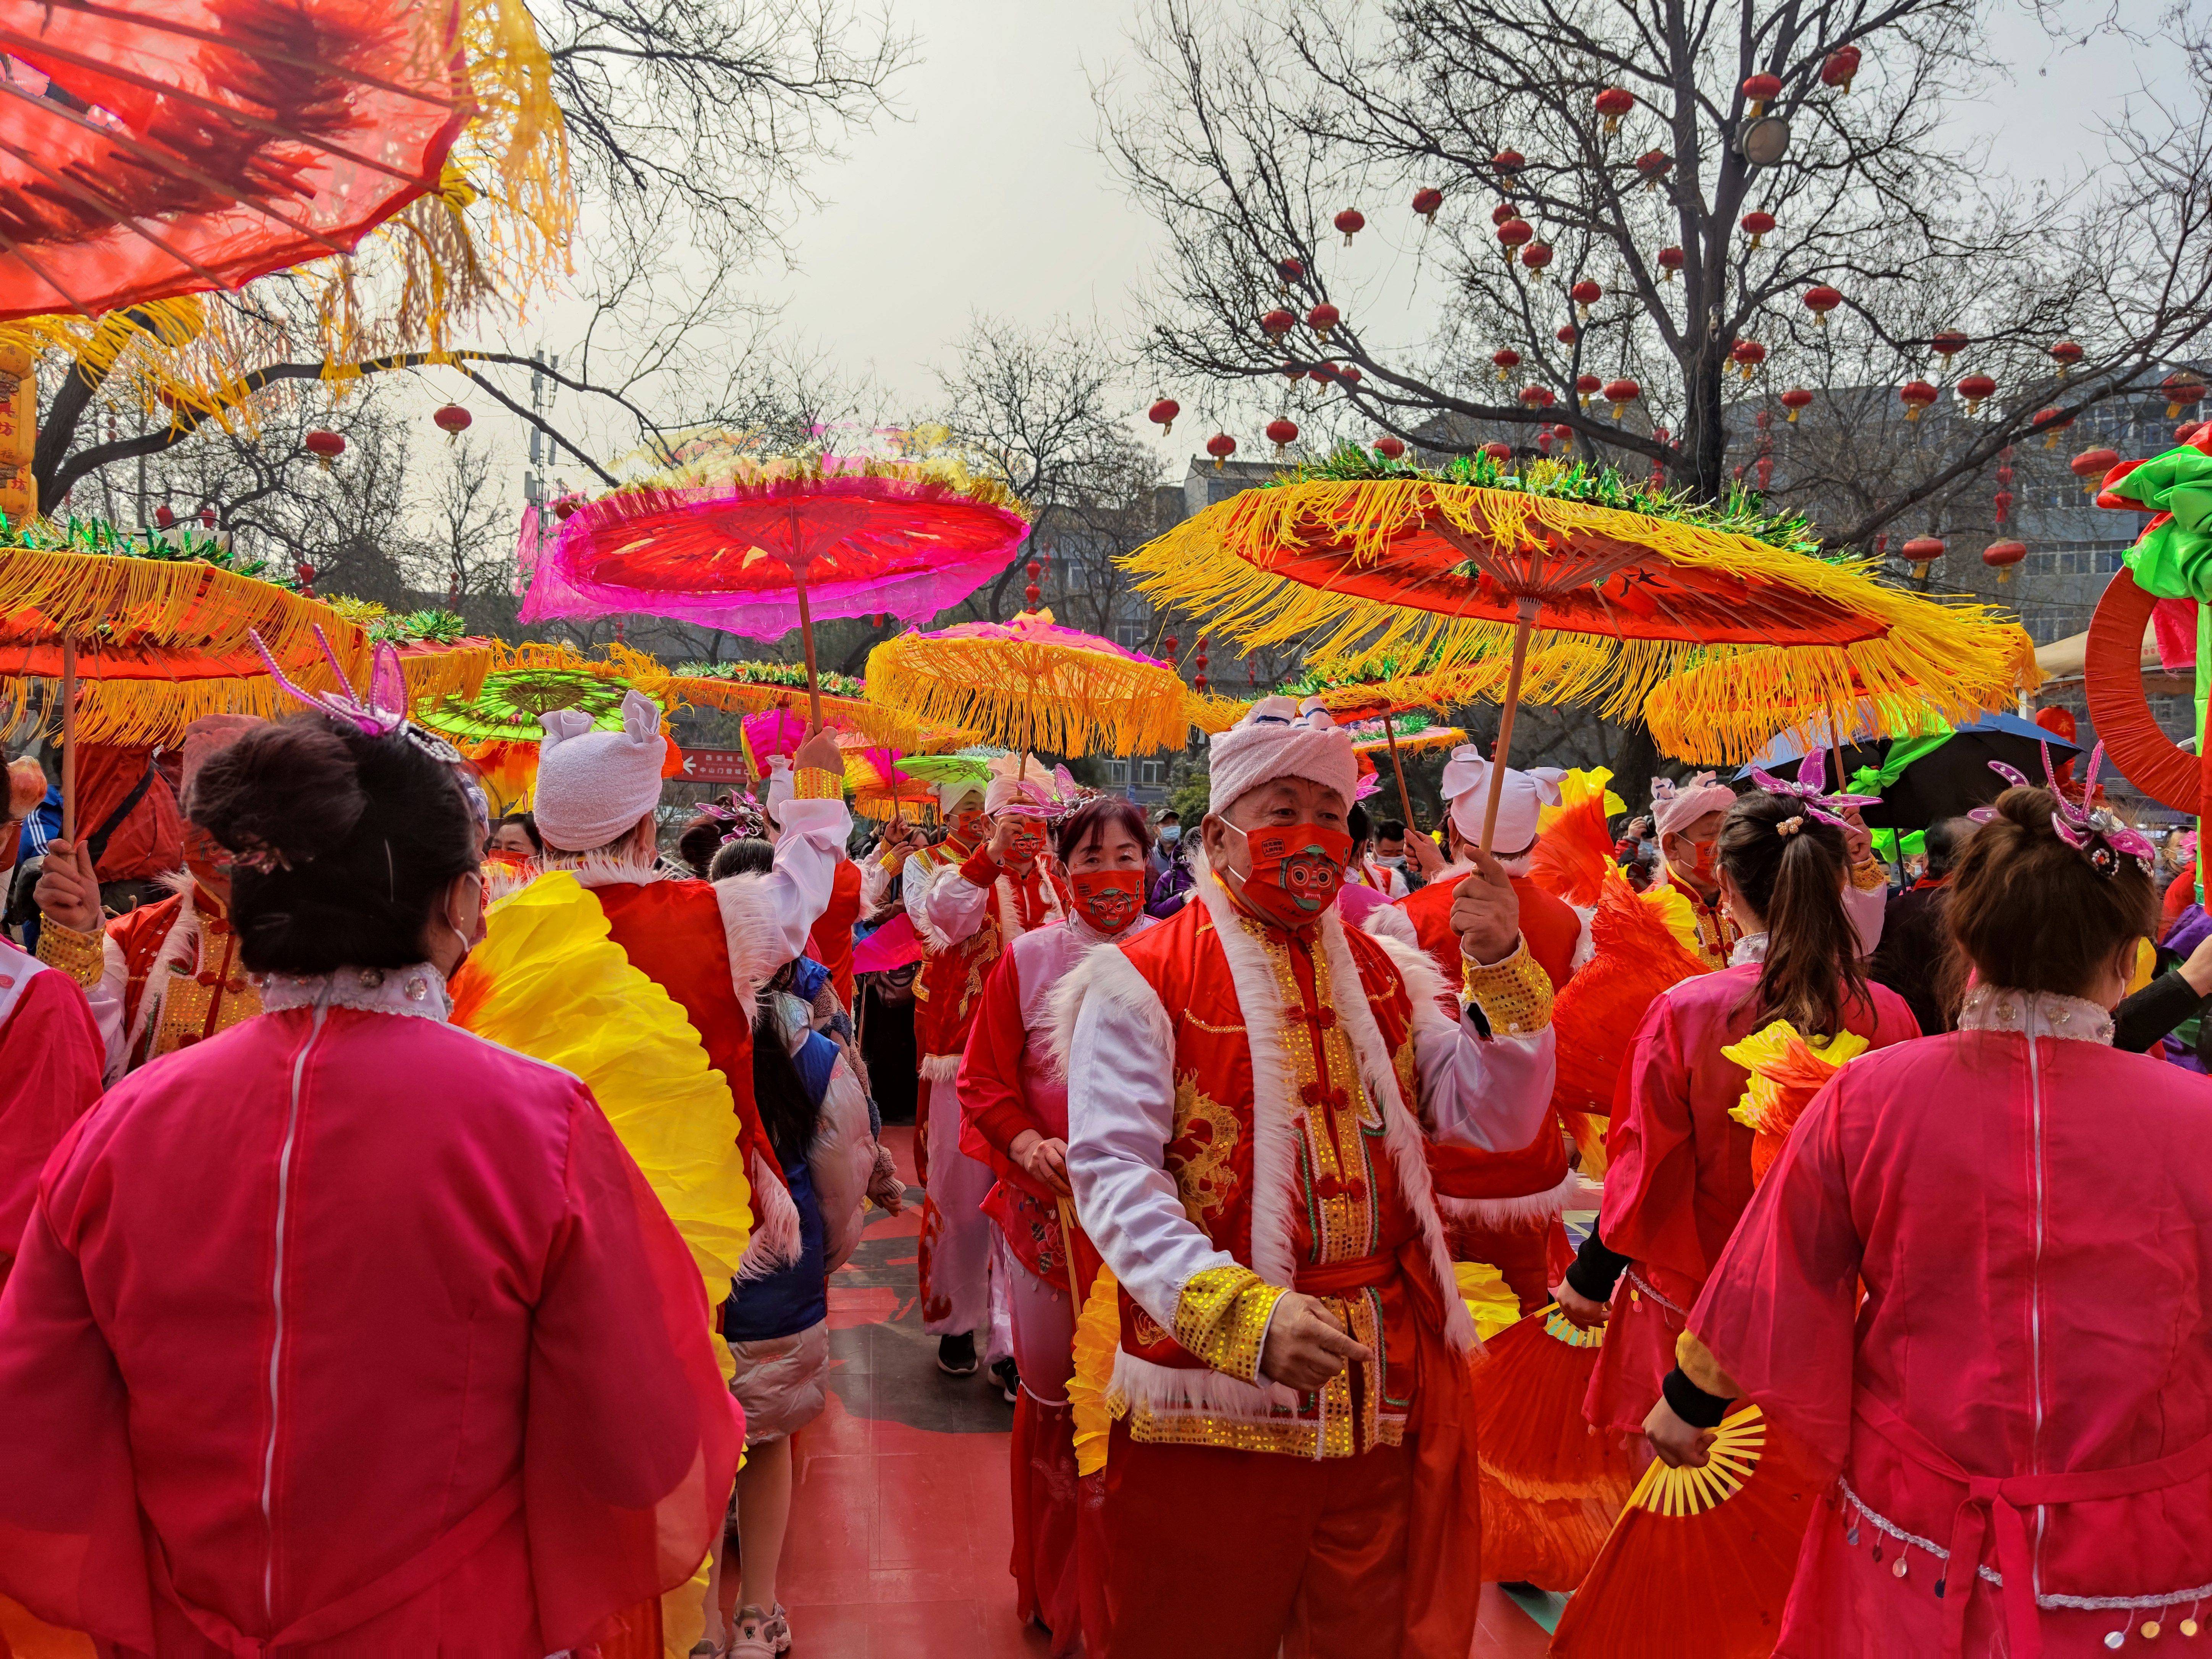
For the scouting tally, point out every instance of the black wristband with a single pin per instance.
(1595, 1269)
(1693, 1404)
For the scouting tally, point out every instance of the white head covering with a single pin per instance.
(1520, 798)
(1678, 805)
(953, 792)
(1277, 739)
(1019, 784)
(592, 786)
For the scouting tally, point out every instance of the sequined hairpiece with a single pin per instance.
(2095, 833)
(1808, 790)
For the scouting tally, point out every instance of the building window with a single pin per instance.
(1152, 774)
(1116, 772)
(1129, 635)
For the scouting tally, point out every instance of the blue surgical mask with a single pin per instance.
(1171, 833)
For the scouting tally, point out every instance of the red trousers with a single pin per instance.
(1217, 1554)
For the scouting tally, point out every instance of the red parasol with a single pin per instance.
(761, 548)
(184, 145)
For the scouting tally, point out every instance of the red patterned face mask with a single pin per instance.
(1028, 839)
(1296, 869)
(1108, 899)
(969, 826)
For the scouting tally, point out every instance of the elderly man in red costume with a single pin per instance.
(1252, 1089)
(166, 975)
(989, 884)
(1686, 817)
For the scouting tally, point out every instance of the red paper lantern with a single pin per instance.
(305, 573)
(452, 420)
(1389, 448)
(1670, 261)
(1292, 371)
(2000, 506)
(1221, 446)
(1324, 372)
(1033, 569)
(207, 518)
(1762, 90)
(1351, 221)
(1587, 387)
(1916, 396)
(324, 446)
(1512, 234)
(1544, 440)
(1621, 393)
(1324, 318)
(1278, 322)
(2065, 354)
(1840, 68)
(1567, 334)
(1614, 103)
(1975, 387)
(565, 506)
(2000, 556)
(1504, 211)
(1349, 373)
(1947, 345)
(1820, 300)
(1654, 165)
(1586, 294)
(2091, 465)
(1499, 453)
(2187, 431)
(1746, 356)
(1282, 433)
(1923, 551)
(2182, 391)
(1507, 360)
(163, 517)
(1163, 414)
(2058, 422)
(1538, 397)
(1290, 270)
(1756, 223)
(1171, 645)
(1426, 202)
(1536, 256)
(1509, 162)
(1795, 400)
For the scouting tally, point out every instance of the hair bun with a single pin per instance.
(293, 788)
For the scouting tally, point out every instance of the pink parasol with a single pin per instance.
(766, 546)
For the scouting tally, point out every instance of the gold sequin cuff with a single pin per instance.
(1222, 1319)
(1867, 874)
(812, 783)
(78, 955)
(1699, 1364)
(1515, 995)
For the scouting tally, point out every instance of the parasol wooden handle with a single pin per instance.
(68, 741)
(1524, 625)
(798, 563)
(1390, 731)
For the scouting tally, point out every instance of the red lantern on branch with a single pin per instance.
(1508, 163)
(1923, 551)
(1746, 356)
(1762, 90)
(1566, 334)
(1544, 440)
(1163, 413)
(1426, 202)
(1916, 396)
(1587, 387)
(1948, 344)
(2182, 391)
(1670, 261)
(1756, 224)
(305, 573)
(1278, 322)
(1513, 234)
(1536, 256)
(1290, 270)
(1614, 103)
(324, 446)
(2091, 465)
(1840, 68)
(1504, 211)
(1349, 374)
(1586, 294)
(164, 516)
(1351, 221)
(1282, 433)
(1537, 397)
(2066, 355)
(1507, 360)
(1032, 593)
(1795, 399)
(2001, 507)
(1221, 446)
(452, 420)
(2000, 556)
(1974, 388)
(1292, 372)
(1654, 165)
(1621, 393)
(1389, 448)
(1500, 452)
(2057, 421)
(1820, 300)
(1324, 318)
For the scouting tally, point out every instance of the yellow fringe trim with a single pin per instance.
(1214, 567)
(1032, 694)
(722, 465)
(1429, 737)
(548, 982)
(1098, 1337)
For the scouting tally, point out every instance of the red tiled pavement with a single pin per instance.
(900, 1525)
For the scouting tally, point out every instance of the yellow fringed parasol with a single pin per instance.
(499, 724)
(1030, 683)
(754, 687)
(1366, 563)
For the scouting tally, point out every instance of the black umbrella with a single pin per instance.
(1946, 779)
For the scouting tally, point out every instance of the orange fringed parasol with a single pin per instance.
(1700, 1562)
(1552, 1486)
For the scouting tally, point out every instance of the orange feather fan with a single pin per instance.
(1574, 856)
(1596, 1015)
(1699, 1563)
(1551, 1484)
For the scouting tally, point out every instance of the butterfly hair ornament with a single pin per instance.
(382, 713)
(1809, 790)
(2094, 832)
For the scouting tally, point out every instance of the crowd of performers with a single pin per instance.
(415, 1230)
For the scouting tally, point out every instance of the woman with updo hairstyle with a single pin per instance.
(1679, 1167)
(345, 1331)
(1974, 1289)
(1013, 1101)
